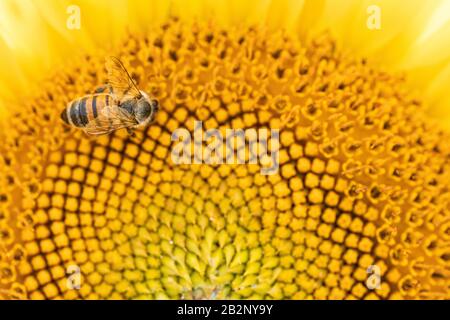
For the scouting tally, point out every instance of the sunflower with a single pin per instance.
(359, 208)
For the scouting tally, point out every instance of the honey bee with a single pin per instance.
(119, 104)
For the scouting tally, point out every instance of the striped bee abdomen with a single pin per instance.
(81, 111)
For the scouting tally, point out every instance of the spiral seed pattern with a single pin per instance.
(363, 179)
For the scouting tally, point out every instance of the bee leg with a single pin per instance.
(131, 132)
(132, 135)
(103, 88)
(100, 89)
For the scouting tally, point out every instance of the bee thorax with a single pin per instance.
(129, 106)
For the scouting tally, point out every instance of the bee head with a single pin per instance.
(145, 108)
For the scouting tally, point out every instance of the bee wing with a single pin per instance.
(111, 118)
(120, 80)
